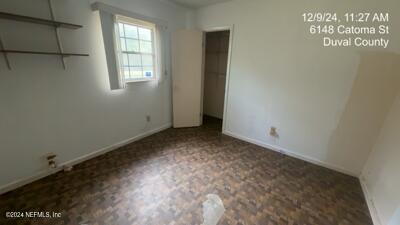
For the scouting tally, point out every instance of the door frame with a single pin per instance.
(229, 28)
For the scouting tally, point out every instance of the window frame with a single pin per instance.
(119, 52)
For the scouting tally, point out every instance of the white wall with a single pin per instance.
(282, 76)
(381, 173)
(72, 112)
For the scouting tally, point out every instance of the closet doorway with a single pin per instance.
(216, 55)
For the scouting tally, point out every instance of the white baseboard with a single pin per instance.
(370, 202)
(292, 154)
(21, 182)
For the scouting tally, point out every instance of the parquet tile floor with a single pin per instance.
(164, 179)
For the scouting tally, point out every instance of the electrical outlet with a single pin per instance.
(148, 118)
(51, 160)
(273, 132)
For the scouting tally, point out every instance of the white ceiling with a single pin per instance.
(196, 3)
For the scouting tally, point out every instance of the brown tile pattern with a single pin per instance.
(163, 179)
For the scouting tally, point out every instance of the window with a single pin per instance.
(136, 49)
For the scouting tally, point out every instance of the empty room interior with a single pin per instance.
(202, 112)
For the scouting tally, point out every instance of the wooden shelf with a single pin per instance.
(28, 19)
(34, 20)
(43, 53)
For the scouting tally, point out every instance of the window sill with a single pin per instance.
(139, 80)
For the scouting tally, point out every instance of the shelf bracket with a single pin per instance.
(60, 48)
(5, 54)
